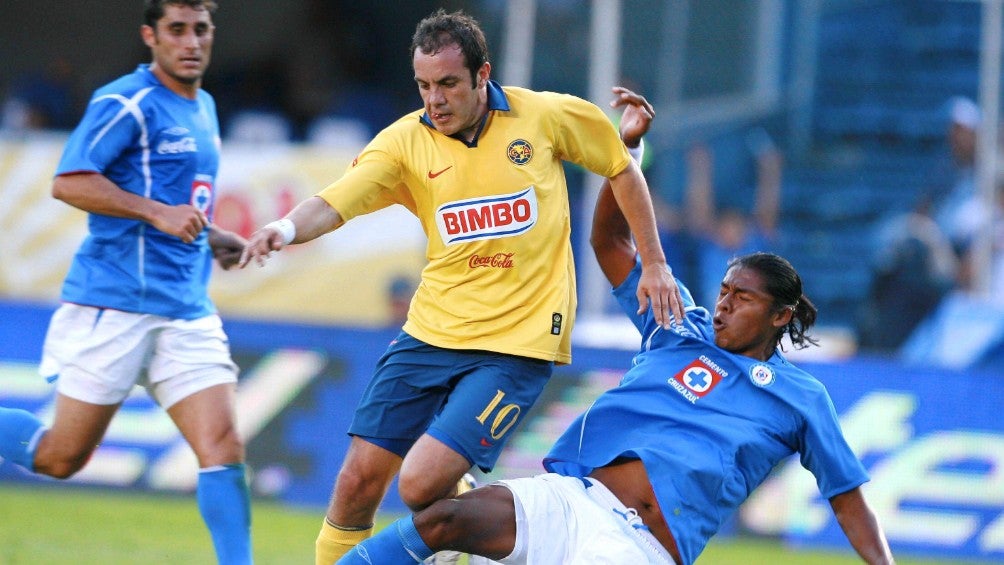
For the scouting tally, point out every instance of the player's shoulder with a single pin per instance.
(140, 77)
(407, 125)
(797, 376)
(520, 98)
(127, 86)
(206, 97)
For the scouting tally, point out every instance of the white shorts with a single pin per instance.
(97, 355)
(561, 520)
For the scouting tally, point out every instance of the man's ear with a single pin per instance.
(484, 74)
(148, 34)
(783, 316)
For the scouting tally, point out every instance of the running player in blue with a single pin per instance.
(143, 164)
(652, 469)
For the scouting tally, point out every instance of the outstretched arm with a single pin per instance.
(309, 220)
(623, 208)
(861, 527)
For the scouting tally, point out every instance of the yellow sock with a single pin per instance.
(334, 542)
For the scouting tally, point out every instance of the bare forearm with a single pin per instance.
(313, 218)
(869, 542)
(635, 203)
(861, 527)
(94, 193)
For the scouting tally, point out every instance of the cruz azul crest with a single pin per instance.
(698, 378)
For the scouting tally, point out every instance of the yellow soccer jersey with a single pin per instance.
(500, 275)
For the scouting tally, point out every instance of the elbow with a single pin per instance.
(58, 190)
(597, 242)
(66, 188)
(602, 243)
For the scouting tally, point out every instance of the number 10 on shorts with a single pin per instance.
(505, 415)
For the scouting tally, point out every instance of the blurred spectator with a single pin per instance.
(952, 199)
(45, 99)
(922, 255)
(399, 293)
(726, 232)
(339, 132)
(677, 242)
(997, 245)
(253, 103)
(371, 104)
(259, 126)
(914, 269)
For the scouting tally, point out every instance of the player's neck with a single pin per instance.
(181, 88)
(470, 132)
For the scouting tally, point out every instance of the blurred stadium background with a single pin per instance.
(853, 94)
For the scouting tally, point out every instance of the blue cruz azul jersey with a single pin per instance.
(151, 142)
(708, 425)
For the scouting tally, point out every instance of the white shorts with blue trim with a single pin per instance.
(98, 355)
(571, 520)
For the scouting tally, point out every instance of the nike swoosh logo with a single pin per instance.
(433, 175)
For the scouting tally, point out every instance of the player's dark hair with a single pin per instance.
(155, 8)
(443, 29)
(785, 286)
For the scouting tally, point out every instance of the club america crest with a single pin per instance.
(520, 151)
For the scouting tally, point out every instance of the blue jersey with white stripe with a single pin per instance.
(707, 424)
(152, 142)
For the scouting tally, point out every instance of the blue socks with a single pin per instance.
(397, 543)
(20, 431)
(225, 505)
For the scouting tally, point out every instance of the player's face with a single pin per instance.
(745, 320)
(453, 104)
(181, 44)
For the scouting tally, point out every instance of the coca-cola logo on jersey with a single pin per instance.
(183, 145)
(497, 261)
(487, 217)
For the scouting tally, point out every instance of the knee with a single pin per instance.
(360, 482)
(440, 524)
(418, 492)
(225, 449)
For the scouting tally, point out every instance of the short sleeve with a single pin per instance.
(107, 129)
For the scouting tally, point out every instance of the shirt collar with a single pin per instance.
(497, 100)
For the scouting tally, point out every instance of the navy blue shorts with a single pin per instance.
(470, 400)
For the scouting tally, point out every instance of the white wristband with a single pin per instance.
(285, 227)
(637, 152)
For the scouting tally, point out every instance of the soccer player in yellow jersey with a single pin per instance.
(481, 167)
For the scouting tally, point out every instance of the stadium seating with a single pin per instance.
(885, 71)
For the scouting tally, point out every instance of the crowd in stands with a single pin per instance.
(928, 252)
(337, 82)
(256, 103)
(709, 226)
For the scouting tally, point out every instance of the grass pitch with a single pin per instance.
(59, 525)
